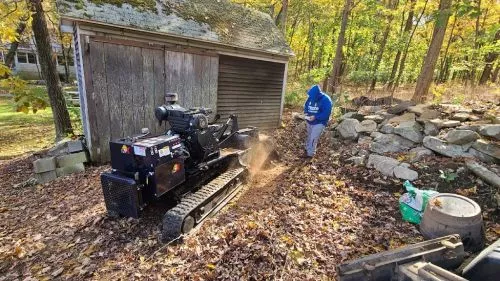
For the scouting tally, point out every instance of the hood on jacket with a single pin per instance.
(315, 92)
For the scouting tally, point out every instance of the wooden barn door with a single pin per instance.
(251, 89)
(125, 83)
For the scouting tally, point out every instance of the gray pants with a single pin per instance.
(313, 134)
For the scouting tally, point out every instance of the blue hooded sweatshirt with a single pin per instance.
(319, 105)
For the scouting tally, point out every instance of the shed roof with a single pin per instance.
(217, 21)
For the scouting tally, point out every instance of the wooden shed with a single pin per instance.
(213, 53)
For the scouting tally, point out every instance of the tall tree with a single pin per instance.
(9, 58)
(489, 60)
(60, 113)
(427, 71)
(392, 4)
(337, 61)
(405, 33)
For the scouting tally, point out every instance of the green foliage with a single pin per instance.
(437, 93)
(25, 96)
(448, 176)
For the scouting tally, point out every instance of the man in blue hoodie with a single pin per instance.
(317, 109)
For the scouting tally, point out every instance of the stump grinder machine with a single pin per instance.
(197, 163)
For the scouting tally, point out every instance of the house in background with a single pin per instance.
(213, 53)
(27, 64)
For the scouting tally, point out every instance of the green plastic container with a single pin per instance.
(412, 204)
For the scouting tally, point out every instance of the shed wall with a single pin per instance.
(252, 89)
(124, 83)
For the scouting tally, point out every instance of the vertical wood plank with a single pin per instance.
(205, 82)
(188, 80)
(114, 64)
(213, 87)
(91, 102)
(148, 85)
(197, 91)
(127, 98)
(136, 88)
(159, 86)
(98, 65)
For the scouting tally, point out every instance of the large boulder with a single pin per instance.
(389, 143)
(488, 148)
(482, 156)
(366, 126)
(347, 129)
(387, 129)
(383, 164)
(369, 109)
(444, 148)
(405, 173)
(485, 174)
(399, 108)
(391, 167)
(461, 116)
(418, 109)
(445, 123)
(490, 131)
(410, 130)
(402, 118)
(461, 136)
(429, 114)
(418, 153)
(430, 129)
(377, 118)
(353, 115)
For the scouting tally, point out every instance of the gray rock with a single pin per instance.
(369, 109)
(487, 147)
(402, 118)
(65, 147)
(405, 173)
(490, 131)
(482, 156)
(365, 140)
(418, 153)
(410, 130)
(485, 174)
(461, 136)
(44, 165)
(418, 109)
(71, 159)
(445, 123)
(444, 148)
(356, 160)
(472, 127)
(363, 152)
(460, 116)
(353, 115)
(366, 126)
(387, 129)
(45, 177)
(383, 164)
(430, 129)
(389, 143)
(376, 118)
(347, 129)
(429, 114)
(397, 109)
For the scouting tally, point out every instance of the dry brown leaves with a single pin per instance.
(320, 214)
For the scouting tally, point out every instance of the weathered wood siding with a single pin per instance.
(124, 83)
(251, 89)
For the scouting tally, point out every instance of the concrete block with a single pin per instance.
(44, 165)
(76, 168)
(75, 146)
(71, 159)
(45, 176)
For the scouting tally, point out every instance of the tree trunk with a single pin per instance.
(284, 12)
(426, 73)
(392, 5)
(9, 58)
(60, 113)
(495, 74)
(337, 61)
(489, 60)
(405, 51)
(444, 63)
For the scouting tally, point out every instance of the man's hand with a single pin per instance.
(310, 118)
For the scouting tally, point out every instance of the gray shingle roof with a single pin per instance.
(218, 21)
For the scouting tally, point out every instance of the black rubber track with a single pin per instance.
(174, 218)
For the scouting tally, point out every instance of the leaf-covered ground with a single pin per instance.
(296, 221)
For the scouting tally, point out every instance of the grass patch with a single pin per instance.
(22, 133)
